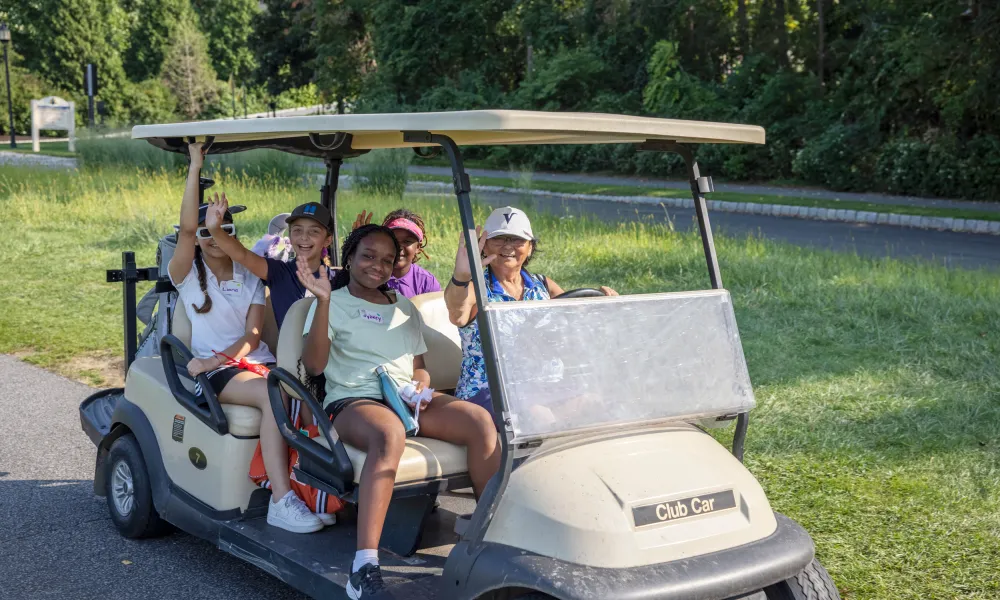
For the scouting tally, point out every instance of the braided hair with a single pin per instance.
(409, 215)
(199, 264)
(316, 384)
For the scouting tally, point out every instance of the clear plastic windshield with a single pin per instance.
(571, 365)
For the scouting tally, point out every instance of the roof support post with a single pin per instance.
(700, 186)
(488, 502)
(328, 198)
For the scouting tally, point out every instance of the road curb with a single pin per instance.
(755, 208)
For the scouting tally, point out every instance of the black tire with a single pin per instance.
(812, 583)
(131, 504)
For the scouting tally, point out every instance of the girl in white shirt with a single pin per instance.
(225, 304)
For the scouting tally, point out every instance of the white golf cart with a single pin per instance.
(609, 486)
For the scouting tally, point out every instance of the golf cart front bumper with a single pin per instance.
(729, 573)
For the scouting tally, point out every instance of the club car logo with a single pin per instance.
(662, 512)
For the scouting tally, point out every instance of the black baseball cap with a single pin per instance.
(312, 210)
(203, 210)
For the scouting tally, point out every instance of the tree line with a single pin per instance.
(887, 95)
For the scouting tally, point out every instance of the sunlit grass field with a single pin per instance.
(877, 381)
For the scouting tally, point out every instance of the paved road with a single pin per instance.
(947, 247)
(56, 540)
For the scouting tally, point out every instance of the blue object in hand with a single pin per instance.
(391, 395)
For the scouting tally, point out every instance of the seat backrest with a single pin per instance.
(290, 340)
(181, 325)
(444, 350)
(444, 345)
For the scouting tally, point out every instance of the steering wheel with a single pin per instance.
(581, 293)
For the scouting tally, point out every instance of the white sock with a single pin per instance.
(275, 499)
(364, 557)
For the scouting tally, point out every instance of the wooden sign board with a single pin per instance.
(53, 112)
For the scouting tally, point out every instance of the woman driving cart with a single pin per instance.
(357, 325)
(507, 245)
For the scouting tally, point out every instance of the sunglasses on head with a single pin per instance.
(204, 233)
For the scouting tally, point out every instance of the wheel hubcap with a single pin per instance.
(122, 491)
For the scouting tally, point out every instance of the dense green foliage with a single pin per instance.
(855, 94)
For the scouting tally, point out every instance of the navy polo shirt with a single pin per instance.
(286, 289)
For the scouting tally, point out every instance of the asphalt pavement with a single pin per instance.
(56, 539)
(953, 249)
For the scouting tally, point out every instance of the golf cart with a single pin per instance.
(609, 485)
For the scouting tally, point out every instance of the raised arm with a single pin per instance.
(461, 299)
(230, 245)
(316, 351)
(180, 263)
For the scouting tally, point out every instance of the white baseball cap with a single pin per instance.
(277, 224)
(508, 221)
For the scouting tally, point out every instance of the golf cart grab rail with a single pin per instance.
(213, 415)
(334, 458)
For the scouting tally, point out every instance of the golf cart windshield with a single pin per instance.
(569, 365)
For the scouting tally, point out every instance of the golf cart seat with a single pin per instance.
(425, 461)
(243, 420)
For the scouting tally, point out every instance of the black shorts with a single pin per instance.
(337, 406)
(220, 378)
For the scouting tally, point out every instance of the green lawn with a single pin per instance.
(567, 187)
(877, 381)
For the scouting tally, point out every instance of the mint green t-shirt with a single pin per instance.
(363, 336)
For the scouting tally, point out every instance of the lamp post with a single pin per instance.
(5, 39)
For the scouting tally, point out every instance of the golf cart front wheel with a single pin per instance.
(812, 583)
(128, 492)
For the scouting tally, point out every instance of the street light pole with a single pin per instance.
(5, 39)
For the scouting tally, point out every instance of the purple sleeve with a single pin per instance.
(429, 283)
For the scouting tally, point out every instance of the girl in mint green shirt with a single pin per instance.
(356, 325)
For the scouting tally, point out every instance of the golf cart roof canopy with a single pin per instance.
(323, 135)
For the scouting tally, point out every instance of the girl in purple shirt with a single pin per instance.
(408, 278)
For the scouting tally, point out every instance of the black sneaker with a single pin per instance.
(365, 582)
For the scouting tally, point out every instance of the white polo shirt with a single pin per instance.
(226, 323)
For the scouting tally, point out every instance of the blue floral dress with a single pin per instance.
(473, 378)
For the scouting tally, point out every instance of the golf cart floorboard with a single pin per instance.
(318, 563)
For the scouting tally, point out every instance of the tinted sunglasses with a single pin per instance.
(204, 233)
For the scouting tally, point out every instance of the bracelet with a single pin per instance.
(460, 283)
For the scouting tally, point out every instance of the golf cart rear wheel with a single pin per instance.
(128, 492)
(812, 583)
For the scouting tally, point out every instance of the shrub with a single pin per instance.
(383, 172)
(840, 158)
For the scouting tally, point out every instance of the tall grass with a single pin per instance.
(382, 172)
(877, 381)
(120, 151)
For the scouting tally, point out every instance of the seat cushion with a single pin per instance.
(244, 421)
(423, 459)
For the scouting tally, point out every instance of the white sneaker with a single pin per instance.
(291, 514)
(327, 519)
